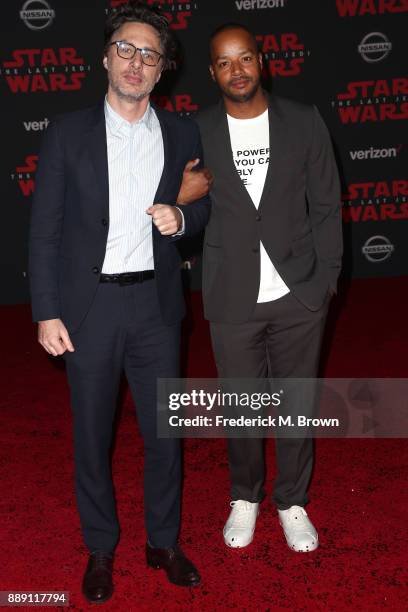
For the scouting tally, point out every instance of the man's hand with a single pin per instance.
(53, 336)
(196, 183)
(167, 219)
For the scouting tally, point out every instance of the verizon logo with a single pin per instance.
(252, 5)
(36, 126)
(372, 153)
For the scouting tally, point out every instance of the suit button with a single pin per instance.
(255, 250)
(95, 270)
(258, 217)
(104, 222)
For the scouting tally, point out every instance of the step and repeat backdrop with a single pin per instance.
(346, 56)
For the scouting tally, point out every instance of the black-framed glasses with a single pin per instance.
(128, 51)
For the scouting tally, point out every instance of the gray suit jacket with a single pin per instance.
(298, 219)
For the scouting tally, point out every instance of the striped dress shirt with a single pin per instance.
(135, 166)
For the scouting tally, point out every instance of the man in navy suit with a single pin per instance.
(106, 285)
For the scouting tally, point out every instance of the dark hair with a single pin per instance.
(232, 26)
(137, 11)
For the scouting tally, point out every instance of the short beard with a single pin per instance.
(129, 97)
(240, 98)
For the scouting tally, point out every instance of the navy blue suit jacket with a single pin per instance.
(70, 215)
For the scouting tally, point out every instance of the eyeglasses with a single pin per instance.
(128, 51)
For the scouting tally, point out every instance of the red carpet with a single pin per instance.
(359, 491)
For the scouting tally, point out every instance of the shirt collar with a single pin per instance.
(115, 122)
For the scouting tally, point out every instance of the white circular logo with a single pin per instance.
(377, 249)
(37, 14)
(374, 47)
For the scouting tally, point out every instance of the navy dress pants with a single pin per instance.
(123, 331)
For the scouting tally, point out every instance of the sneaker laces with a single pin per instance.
(296, 517)
(242, 513)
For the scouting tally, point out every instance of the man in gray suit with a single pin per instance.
(272, 256)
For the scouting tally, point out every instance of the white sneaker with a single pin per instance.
(299, 532)
(240, 526)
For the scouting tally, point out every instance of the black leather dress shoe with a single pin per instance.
(178, 568)
(97, 585)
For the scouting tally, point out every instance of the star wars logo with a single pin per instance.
(24, 175)
(44, 70)
(354, 8)
(376, 201)
(284, 54)
(372, 101)
(178, 12)
(181, 104)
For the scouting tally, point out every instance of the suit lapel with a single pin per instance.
(225, 162)
(276, 148)
(221, 142)
(162, 117)
(99, 156)
(169, 154)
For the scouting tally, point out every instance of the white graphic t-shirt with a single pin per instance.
(250, 149)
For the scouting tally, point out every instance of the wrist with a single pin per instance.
(179, 219)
